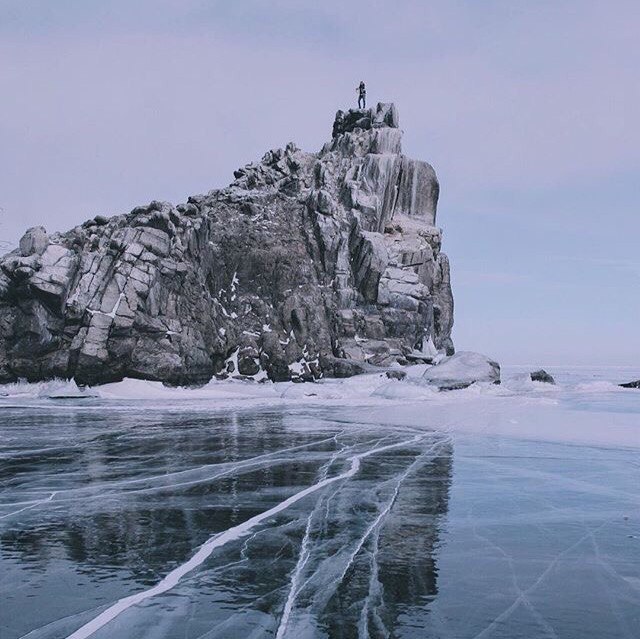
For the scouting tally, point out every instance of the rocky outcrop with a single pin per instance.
(307, 264)
(635, 384)
(462, 370)
(542, 376)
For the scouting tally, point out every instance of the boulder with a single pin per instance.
(462, 370)
(34, 241)
(542, 376)
(340, 367)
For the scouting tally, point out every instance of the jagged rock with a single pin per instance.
(341, 367)
(635, 384)
(542, 376)
(308, 264)
(462, 370)
(34, 240)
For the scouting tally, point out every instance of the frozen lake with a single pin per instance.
(364, 508)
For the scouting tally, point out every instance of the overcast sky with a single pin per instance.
(527, 109)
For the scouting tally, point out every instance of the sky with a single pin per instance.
(528, 111)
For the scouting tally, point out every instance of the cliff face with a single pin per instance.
(307, 264)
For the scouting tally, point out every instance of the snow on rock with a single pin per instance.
(462, 370)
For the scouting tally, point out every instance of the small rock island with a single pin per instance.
(308, 264)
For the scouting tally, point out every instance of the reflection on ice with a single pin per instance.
(291, 516)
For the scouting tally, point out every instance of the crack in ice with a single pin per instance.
(219, 540)
(302, 558)
(505, 614)
(33, 505)
(106, 490)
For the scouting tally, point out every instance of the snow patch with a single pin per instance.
(112, 312)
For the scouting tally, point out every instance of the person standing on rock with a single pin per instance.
(362, 95)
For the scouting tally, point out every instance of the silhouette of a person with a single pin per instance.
(362, 95)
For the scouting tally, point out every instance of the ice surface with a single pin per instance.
(365, 507)
(571, 411)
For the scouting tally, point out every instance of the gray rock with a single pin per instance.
(635, 384)
(396, 374)
(34, 240)
(542, 376)
(386, 115)
(307, 264)
(339, 367)
(462, 370)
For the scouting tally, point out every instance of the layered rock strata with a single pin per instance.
(307, 264)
